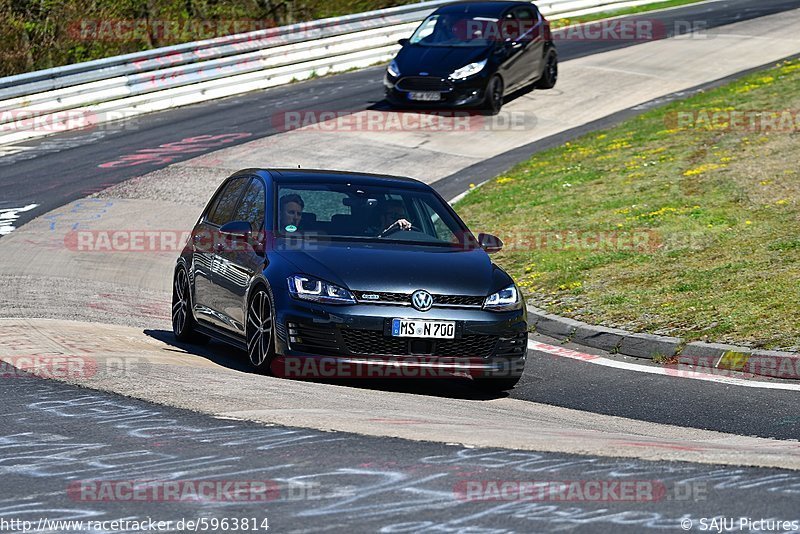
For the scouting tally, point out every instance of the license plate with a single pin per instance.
(423, 328)
(425, 96)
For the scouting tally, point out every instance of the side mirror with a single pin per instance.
(236, 229)
(489, 243)
(403, 42)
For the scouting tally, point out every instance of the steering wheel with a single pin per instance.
(394, 229)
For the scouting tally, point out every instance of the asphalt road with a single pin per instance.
(59, 169)
(69, 454)
(558, 381)
(55, 435)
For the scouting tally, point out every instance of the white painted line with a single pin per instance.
(9, 215)
(663, 371)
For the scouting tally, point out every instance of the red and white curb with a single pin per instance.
(672, 371)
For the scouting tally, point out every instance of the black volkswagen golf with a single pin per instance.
(349, 270)
(473, 54)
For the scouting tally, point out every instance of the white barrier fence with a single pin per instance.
(81, 95)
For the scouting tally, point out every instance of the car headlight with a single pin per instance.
(469, 70)
(504, 300)
(393, 69)
(315, 290)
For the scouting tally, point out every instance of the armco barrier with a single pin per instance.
(154, 80)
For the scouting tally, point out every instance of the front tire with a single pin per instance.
(183, 324)
(550, 72)
(493, 101)
(260, 331)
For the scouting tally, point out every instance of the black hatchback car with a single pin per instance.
(305, 268)
(472, 54)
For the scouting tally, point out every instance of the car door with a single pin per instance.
(531, 39)
(512, 65)
(205, 241)
(239, 259)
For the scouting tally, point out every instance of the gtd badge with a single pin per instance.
(421, 300)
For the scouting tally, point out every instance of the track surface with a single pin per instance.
(53, 178)
(63, 168)
(57, 435)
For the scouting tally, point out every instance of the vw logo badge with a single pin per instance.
(421, 300)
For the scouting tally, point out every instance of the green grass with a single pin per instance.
(706, 221)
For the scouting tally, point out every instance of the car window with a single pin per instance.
(433, 223)
(251, 207)
(510, 26)
(370, 212)
(224, 205)
(527, 20)
(525, 13)
(425, 29)
(456, 29)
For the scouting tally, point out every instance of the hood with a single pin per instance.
(437, 60)
(399, 268)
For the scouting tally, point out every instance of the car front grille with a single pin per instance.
(512, 346)
(424, 83)
(440, 301)
(313, 338)
(375, 343)
(458, 300)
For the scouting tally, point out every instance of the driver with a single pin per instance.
(393, 217)
(291, 210)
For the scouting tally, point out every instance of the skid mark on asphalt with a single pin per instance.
(58, 437)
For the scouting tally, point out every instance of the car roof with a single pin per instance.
(316, 176)
(481, 9)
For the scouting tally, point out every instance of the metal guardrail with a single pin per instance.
(123, 86)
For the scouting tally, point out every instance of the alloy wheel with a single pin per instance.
(180, 303)
(259, 329)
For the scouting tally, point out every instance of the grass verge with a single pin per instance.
(676, 222)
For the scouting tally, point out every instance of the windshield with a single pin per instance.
(360, 212)
(455, 30)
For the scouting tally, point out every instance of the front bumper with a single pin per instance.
(355, 341)
(469, 92)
